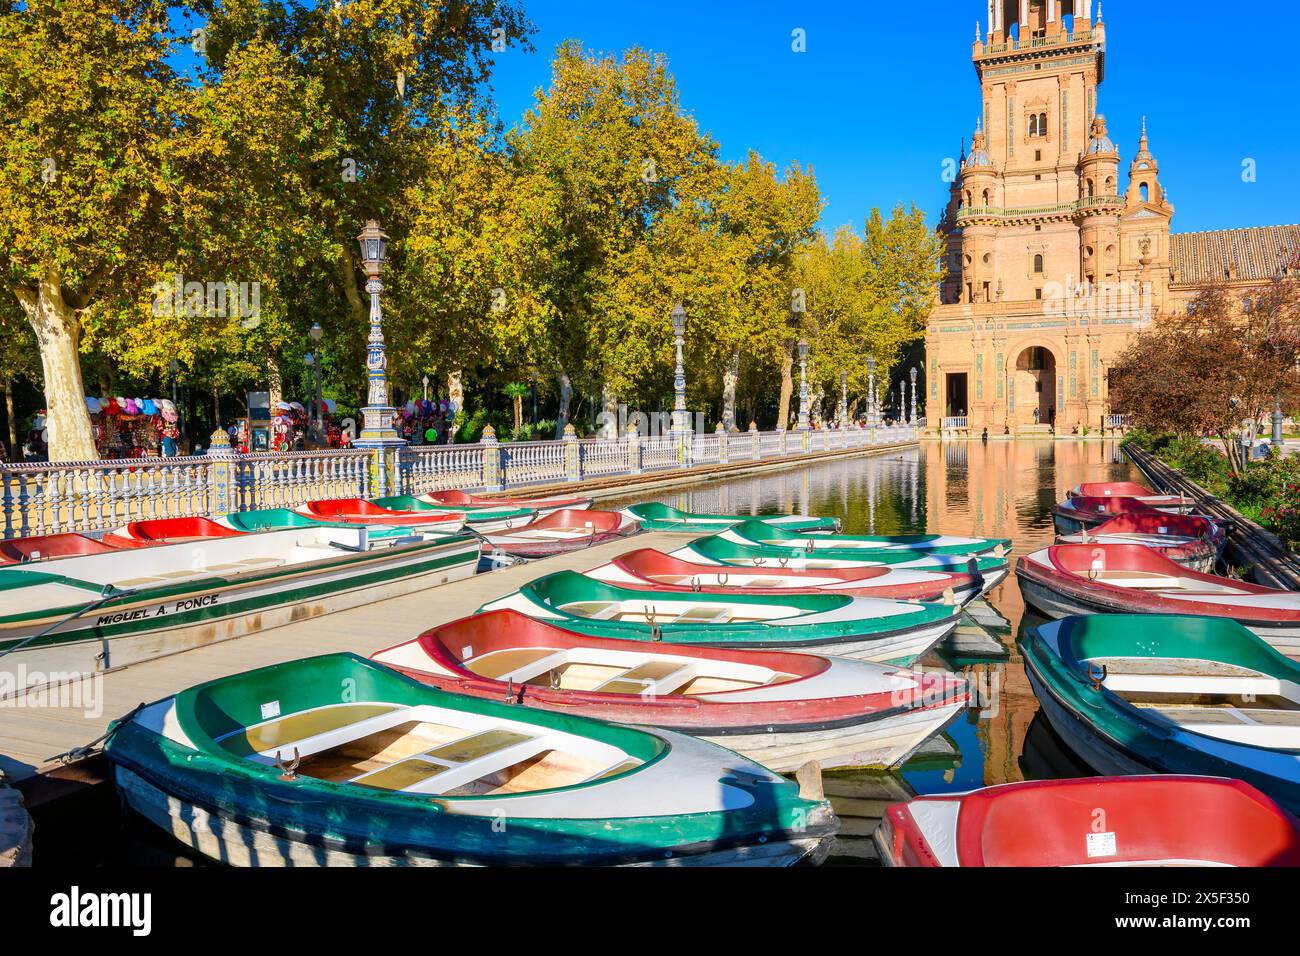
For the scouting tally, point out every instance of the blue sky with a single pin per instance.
(886, 90)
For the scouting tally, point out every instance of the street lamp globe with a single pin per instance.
(374, 249)
(912, 374)
(316, 333)
(679, 320)
(803, 349)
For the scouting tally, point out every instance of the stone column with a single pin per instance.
(572, 455)
(493, 480)
(633, 449)
(223, 491)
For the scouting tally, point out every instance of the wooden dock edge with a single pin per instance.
(1270, 562)
(15, 828)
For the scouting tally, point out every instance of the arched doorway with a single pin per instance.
(1034, 387)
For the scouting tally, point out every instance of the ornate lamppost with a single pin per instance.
(318, 415)
(424, 381)
(681, 424)
(902, 402)
(803, 386)
(871, 391)
(911, 419)
(844, 400)
(377, 430)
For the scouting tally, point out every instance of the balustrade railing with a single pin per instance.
(425, 469)
(291, 479)
(37, 499)
(533, 462)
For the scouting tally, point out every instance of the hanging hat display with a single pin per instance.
(169, 415)
(92, 405)
(149, 407)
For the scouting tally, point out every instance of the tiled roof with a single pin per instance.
(1255, 254)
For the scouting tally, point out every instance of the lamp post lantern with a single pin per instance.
(911, 419)
(871, 391)
(424, 381)
(803, 386)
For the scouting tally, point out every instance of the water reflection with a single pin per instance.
(1002, 489)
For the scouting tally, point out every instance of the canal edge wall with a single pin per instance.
(1270, 562)
(620, 486)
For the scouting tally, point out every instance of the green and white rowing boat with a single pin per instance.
(723, 552)
(1147, 693)
(660, 517)
(888, 632)
(762, 534)
(339, 761)
(280, 519)
(482, 520)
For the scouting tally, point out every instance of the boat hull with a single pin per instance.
(869, 745)
(238, 842)
(215, 611)
(1057, 599)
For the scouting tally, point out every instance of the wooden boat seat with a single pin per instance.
(246, 563)
(1173, 667)
(292, 728)
(500, 665)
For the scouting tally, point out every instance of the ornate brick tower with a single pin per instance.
(1050, 266)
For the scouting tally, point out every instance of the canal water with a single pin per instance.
(1002, 489)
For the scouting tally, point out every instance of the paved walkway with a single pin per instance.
(30, 735)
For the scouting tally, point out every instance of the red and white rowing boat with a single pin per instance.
(171, 531)
(360, 511)
(1096, 821)
(562, 531)
(647, 569)
(1068, 579)
(1131, 489)
(1077, 514)
(46, 546)
(1191, 540)
(779, 708)
(543, 506)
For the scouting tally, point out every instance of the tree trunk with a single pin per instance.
(58, 332)
(15, 450)
(566, 399)
(787, 387)
(519, 412)
(729, 377)
(456, 399)
(275, 384)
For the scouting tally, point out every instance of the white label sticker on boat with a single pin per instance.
(271, 710)
(1101, 844)
(467, 652)
(1164, 529)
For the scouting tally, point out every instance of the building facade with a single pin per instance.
(1054, 260)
